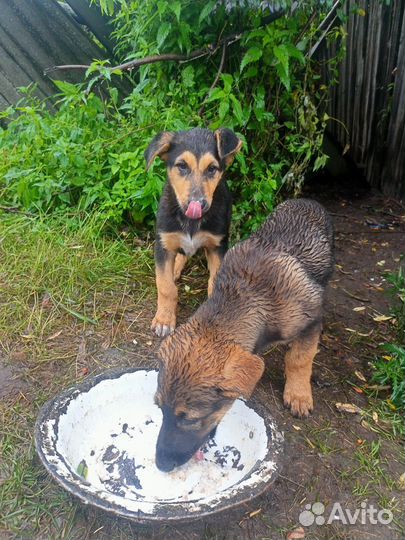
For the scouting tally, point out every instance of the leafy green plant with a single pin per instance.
(87, 153)
(390, 370)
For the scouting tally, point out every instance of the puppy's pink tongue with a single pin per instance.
(199, 455)
(194, 210)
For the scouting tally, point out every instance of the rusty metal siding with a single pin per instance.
(36, 34)
(370, 98)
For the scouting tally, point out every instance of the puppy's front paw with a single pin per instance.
(299, 401)
(163, 323)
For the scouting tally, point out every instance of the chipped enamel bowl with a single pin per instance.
(98, 441)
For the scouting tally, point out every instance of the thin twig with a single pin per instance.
(169, 57)
(213, 85)
(355, 296)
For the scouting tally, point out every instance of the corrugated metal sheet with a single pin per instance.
(370, 97)
(34, 35)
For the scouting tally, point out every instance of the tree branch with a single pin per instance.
(172, 57)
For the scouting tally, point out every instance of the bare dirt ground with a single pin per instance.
(333, 457)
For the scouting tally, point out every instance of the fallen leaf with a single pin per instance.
(360, 375)
(391, 405)
(82, 469)
(382, 318)
(54, 336)
(134, 342)
(84, 371)
(149, 343)
(360, 441)
(375, 417)
(380, 263)
(358, 390)
(387, 357)
(297, 428)
(296, 534)
(362, 334)
(401, 482)
(348, 407)
(311, 444)
(255, 513)
(359, 308)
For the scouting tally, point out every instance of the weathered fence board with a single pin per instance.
(370, 98)
(34, 35)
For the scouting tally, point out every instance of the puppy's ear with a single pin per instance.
(158, 147)
(228, 144)
(241, 373)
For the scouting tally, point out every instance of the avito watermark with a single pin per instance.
(367, 513)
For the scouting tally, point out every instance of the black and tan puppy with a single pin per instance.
(269, 289)
(194, 210)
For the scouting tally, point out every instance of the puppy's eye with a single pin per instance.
(212, 169)
(188, 423)
(182, 166)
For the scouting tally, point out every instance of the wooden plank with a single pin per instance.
(99, 24)
(36, 34)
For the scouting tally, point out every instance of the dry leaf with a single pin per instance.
(297, 428)
(358, 390)
(380, 263)
(296, 534)
(255, 513)
(54, 336)
(311, 444)
(375, 417)
(359, 308)
(359, 333)
(401, 482)
(348, 407)
(360, 375)
(382, 318)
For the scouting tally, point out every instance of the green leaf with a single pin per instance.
(237, 109)
(188, 76)
(68, 89)
(176, 8)
(284, 78)
(223, 109)
(216, 94)
(82, 469)
(281, 53)
(206, 11)
(228, 82)
(320, 162)
(293, 51)
(162, 33)
(252, 55)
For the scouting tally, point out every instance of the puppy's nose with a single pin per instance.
(164, 463)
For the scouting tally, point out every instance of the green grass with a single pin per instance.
(56, 274)
(53, 267)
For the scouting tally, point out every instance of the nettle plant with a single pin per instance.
(253, 76)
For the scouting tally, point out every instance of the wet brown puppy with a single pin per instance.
(269, 289)
(194, 210)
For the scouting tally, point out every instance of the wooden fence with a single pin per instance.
(370, 98)
(36, 34)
